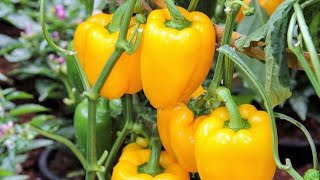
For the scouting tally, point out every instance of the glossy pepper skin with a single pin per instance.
(94, 45)
(176, 128)
(268, 5)
(222, 153)
(104, 126)
(175, 62)
(131, 159)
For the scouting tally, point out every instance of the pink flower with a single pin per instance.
(60, 11)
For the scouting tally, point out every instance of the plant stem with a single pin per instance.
(236, 122)
(298, 52)
(288, 166)
(296, 49)
(226, 37)
(81, 73)
(193, 4)
(127, 102)
(306, 133)
(117, 18)
(46, 33)
(106, 71)
(153, 167)
(64, 141)
(89, 6)
(178, 20)
(307, 39)
(228, 64)
(91, 155)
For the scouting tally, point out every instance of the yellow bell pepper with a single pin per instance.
(127, 167)
(175, 62)
(94, 44)
(267, 5)
(176, 128)
(222, 153)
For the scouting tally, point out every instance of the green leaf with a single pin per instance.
(35, 144)
(299, 104)
(73, 72)
(5, 8)
(26, 109)
(251, 23)
(48, 89)
(6, 40)
(243, 98)
(40, 119)
(277, 71)
(237, 57)
(17, 177)
(18, 95)
(4, 172)
(245, 41)
(19, 20)
(257, 67)
(32, 69)
(19, 54)
(4, 78)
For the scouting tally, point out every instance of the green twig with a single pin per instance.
(306, 133)
(127, 102)
(64, 141)
(193, 4)
(46, 33)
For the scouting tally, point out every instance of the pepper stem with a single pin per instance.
(117, 18)
(224, 95)
(178, 20)
(153, 167)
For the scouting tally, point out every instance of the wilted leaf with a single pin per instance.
(277, 72)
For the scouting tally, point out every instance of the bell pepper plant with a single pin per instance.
(168, 53)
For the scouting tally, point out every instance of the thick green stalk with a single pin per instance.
(106, 71)
(91, 155)
(127, 104)
(229, 26)
(64, 141)
(120, 48)
(89, 6)
(153, 167)
(193, 4)
(178, 21)
(236, 123)
(117, 18)
(228, 64)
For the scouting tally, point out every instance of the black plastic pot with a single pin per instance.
(299, 152)
(43, 162)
